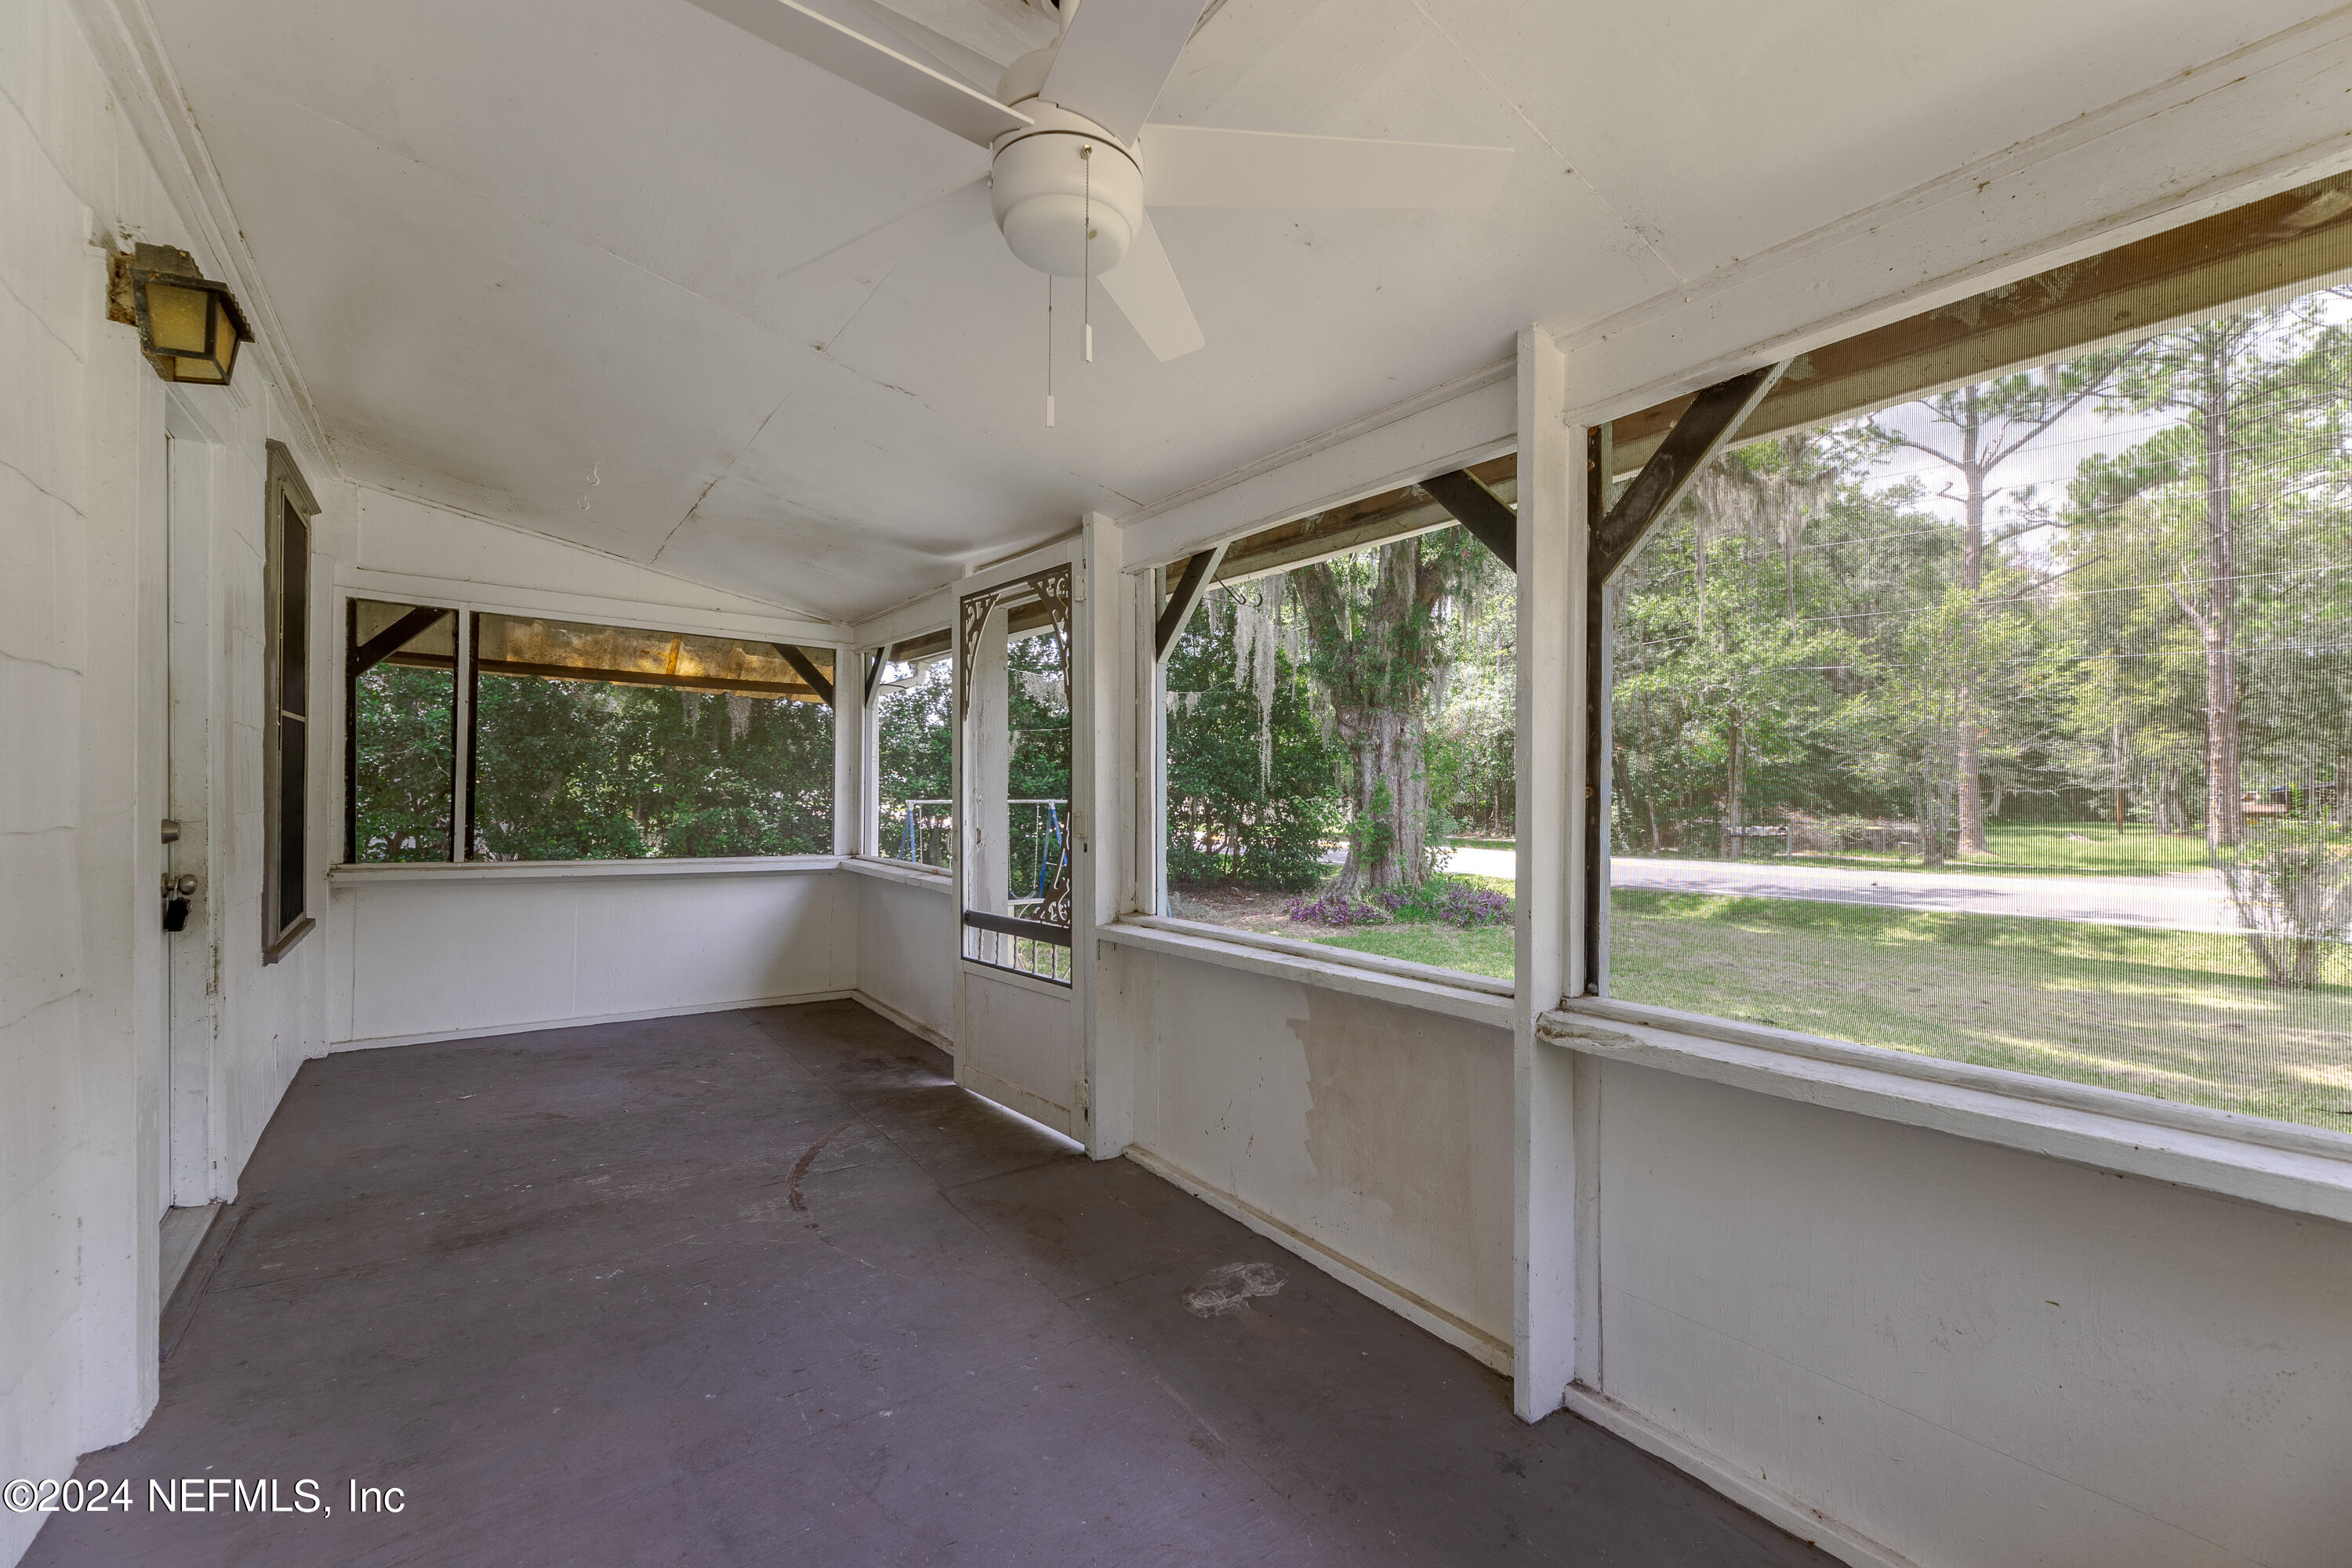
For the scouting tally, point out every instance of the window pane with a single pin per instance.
(607, 743)
(2011, 724)
(403, 686)
(1342, 754)
(1016, 761)
(914, 748)
(293, 738)
(294, 612)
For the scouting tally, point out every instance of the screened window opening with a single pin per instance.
(915, 753)
(1015, 701)
(401, 670)
(2013, 724)
(593, 742)
(1340, 723)
(494, 736)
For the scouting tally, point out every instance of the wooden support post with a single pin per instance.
(1550, 550)
(1105, 650)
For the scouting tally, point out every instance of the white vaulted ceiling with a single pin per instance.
(535, 259)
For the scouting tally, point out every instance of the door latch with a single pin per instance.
(177, 890)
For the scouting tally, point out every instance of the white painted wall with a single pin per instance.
(907, 930)
(426, 952)
(82, 786)
(432, 954)
(1377, 1135)
(1973, 1354)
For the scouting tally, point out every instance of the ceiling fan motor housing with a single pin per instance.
(1044, 187)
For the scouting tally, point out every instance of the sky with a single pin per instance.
(2050, 463)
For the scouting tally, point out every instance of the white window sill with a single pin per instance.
(2302, 1170)
(578, 870)
(908, 872)
(1472, 997)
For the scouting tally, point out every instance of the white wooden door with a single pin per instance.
(1018, 1036)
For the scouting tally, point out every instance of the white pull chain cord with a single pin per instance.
(1049, 351)
(1087, 251)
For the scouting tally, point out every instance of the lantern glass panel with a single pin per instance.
(179, 321)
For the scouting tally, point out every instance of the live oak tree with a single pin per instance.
(1379, 628)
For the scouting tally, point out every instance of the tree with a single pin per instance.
(1250, 777)
(2207, 508)
(1378, 625)
(1987, 425)
(401, 764)
(1933, 682)
(584, 770)
(915, 761)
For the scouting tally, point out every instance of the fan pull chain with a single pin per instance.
(1087, 251)
(1049, 351)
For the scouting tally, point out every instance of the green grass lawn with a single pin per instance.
(2047, 849)
(2176, 1015)
(2015, 849)
(1485, 950)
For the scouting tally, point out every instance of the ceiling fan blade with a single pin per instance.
(1115, 57)
(1197, 166)
(884, 72)
(879, 249)
(1144, 288)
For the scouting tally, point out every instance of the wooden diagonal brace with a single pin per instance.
(806, 667)
(1706, 427)
(389, 640)
(1184, 597)
(1490, 521)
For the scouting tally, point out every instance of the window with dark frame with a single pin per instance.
(288, 509)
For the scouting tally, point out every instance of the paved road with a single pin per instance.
(2177, 900)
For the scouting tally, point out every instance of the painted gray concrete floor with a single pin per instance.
(766, 1287)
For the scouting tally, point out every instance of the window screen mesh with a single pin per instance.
(598, 742)
(402, 697)
(1341, 760)
(914, 751)
(2013, 725)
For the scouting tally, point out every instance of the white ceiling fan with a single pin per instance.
(1075, 166)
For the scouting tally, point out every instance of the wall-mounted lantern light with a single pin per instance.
(189, 326)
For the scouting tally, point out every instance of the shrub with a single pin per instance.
(2292, 884)
(1333, 909)
(1449, 900)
